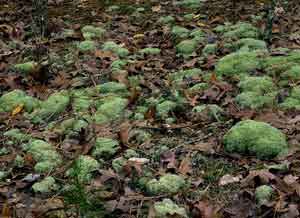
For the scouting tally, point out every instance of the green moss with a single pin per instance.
(293, 101)
(199, 87)
(3, 175)
(209, 49)
(105, 148)
(167, 184)
(71, 127)
(83, 168)
(255, 138)
(198, 35)
(293, 74)
(89, 32)
(86, 46)
(47, 185)
(118, 164)
(19, 161)
(17, 136)
(186, 47)
(164, 108)
(249, 44)
(113, 87)
(28, 67)
(150, 51)
(51, 108)
(179, 32)
(213, 111)
(178, 77)
(167, 209)
(189, 17)
(257, 92)
(81, 100)
(116, 49)
(45, 155)
(118, 65)
(240, 30)
(275, 65)
(263, 194)
(110, 108)
(190, 4)
(15, 98)
(166, 20)
(238, 63)
(140, 136)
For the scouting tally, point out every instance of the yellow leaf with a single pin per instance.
(201, 24)
(138, 36)
(17, 109)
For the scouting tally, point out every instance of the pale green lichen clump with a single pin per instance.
(105, 148)
(89, 32)
(238, 63)
(115, 48)
(293, 101)
(263, 194)
(83, 168)
(167, 209)
(47, 185)
(51, 108)
(45, 155)
(167, 184)
(10, 100)
(251, 137)
(257, 92)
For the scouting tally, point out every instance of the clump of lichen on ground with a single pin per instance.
(90, 32)
(115, 48)
(251, 137)
(105, 148)
(263, 194)
(238, 63)
(10, 100)
(51, 108)
(257, 92)
(293, 101)
(167, 209)
(83, 168)
(167, 184)
(45, 155)
(47, 185)
(110, 108)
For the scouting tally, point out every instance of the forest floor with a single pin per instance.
(92, 124)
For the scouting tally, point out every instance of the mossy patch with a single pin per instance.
(51, 108)
(27, 67)
(179, 32)
(110, 108)
(115, 48)
(113, 87)
(249, 44)
(167, 184)
(263, 194)
(10, 100)
(164, 108)
(105, 148)
(186, 47)
(238, 31)
(71, 127)
(178, 77)
(209, 49)
(81, 100)
(167, 209)
(83, 168)
(257, 92)
(190, 4)
(238, 63)
(45, 155)
(167, 20)
(293, 101)
(17, 136)
(90, 32)
(47, 185)
(87, 46)
(149, 51)
(255, 138)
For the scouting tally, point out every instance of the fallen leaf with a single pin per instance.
(17, 110)
(229, 179)
(264, 176)
(156, 8)
(204, 209)
(124, 132)
(185, 166)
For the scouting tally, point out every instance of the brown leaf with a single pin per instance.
(169, 158)
(204, 209)
(229, 179)
(124, 133)
(185, 166)
(264, 176)
(5, 211)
